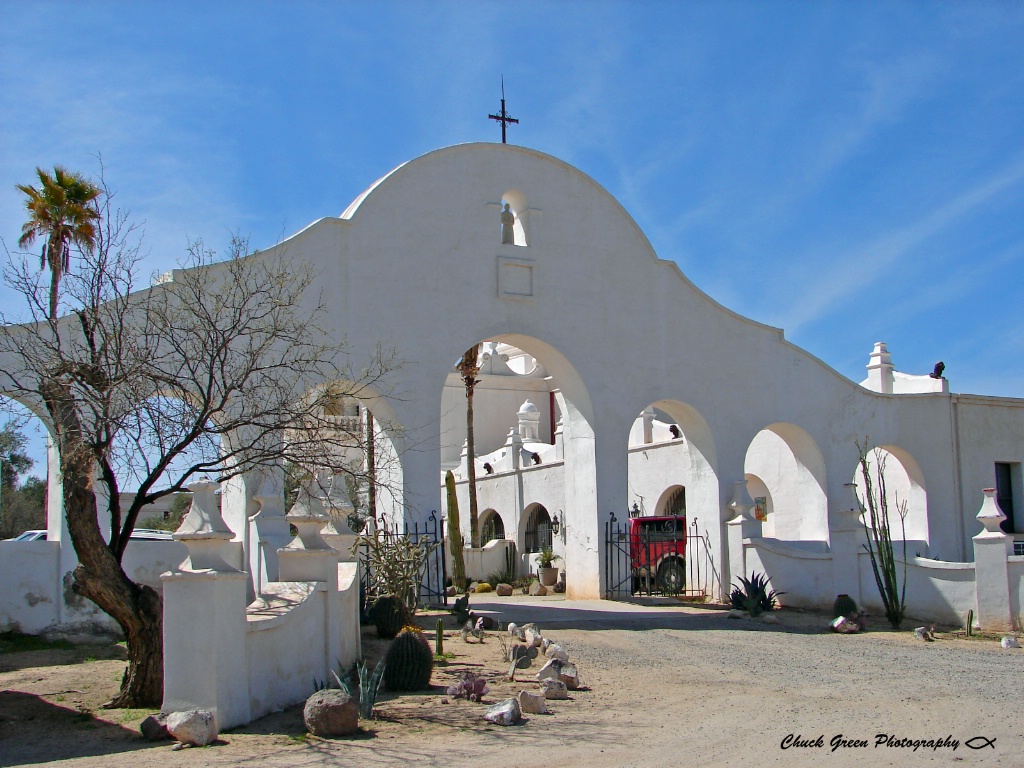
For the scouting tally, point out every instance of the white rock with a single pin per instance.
(554, 689)
(736, 614)
(568, 675)
(533, 637)
(505, 712)
(1009, 642)
(550, 670)
(555, 651)
(532, 703)
(193, 726)
(767, 618)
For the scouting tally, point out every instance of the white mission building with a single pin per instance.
(610, 382)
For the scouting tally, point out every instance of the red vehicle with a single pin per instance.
(657, 552)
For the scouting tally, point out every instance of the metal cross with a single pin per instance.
(503, 117)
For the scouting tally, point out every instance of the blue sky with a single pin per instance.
(849, 172)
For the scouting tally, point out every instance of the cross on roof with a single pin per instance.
(503, 117)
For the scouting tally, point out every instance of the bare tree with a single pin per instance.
(218, 369)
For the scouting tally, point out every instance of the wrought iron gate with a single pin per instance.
(434, 577)
(629, 572)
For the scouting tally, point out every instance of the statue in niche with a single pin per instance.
(508, 220)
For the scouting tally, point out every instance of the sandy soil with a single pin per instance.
(665, 685)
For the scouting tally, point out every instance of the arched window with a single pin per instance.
(491, 526)
(538, 529)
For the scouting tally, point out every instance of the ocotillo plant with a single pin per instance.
(879, 538)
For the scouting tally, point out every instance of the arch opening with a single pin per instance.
(787, 471)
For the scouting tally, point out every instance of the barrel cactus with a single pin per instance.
(844, 606)
(389, 615)
(409, 663)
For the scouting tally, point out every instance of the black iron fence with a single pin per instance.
(656, 557)
(429, 584)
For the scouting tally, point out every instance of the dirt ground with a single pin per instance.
(664, 684)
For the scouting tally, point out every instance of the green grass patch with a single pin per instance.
(16, 642)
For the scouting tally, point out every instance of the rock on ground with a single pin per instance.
(331, 713)
(555, 651)
(193, 726)
(537, 589)
(154, 727)
(554, 689)
(505, 712)
(503, 590)
(532, 703)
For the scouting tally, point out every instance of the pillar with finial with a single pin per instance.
(204, 618)
(992, 549)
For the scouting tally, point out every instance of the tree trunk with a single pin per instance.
(469, 369)
(371, 467)
(56, 256)
(138, 610)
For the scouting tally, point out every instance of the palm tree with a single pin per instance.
(469, 367)
(63, 212)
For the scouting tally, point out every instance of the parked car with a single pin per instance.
(30, 536)
(142, 534)
(657, 551)
(152, 534)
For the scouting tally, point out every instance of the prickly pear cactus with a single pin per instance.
(409, 663)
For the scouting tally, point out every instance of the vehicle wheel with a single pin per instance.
(672, 577)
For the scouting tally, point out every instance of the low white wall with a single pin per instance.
(31, 585)
(488, 559)
(1015, 570)
(282, 653)
(803, 574)
(348, 598)
(937, 591)
(144, 561)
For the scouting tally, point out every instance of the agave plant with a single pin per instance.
(753, 596)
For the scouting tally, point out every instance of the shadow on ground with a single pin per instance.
(73, 732)
(643, 614)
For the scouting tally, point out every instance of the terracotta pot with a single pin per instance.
(548, 576)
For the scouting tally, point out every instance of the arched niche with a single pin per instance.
(791, 469)
(517, 204)
(903, 484)
(764, 507)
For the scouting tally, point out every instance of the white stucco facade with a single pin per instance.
(608, 382)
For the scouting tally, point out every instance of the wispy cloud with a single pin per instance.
(856, 268)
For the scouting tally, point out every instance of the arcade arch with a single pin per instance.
(902, 482)
(671, 462)
(534, 448)
(785, 469)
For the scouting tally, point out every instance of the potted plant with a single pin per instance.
(546, 571)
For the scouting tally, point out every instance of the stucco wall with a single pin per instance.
(31, 587)
(805, 576)
(281, 646)
(937, 591)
